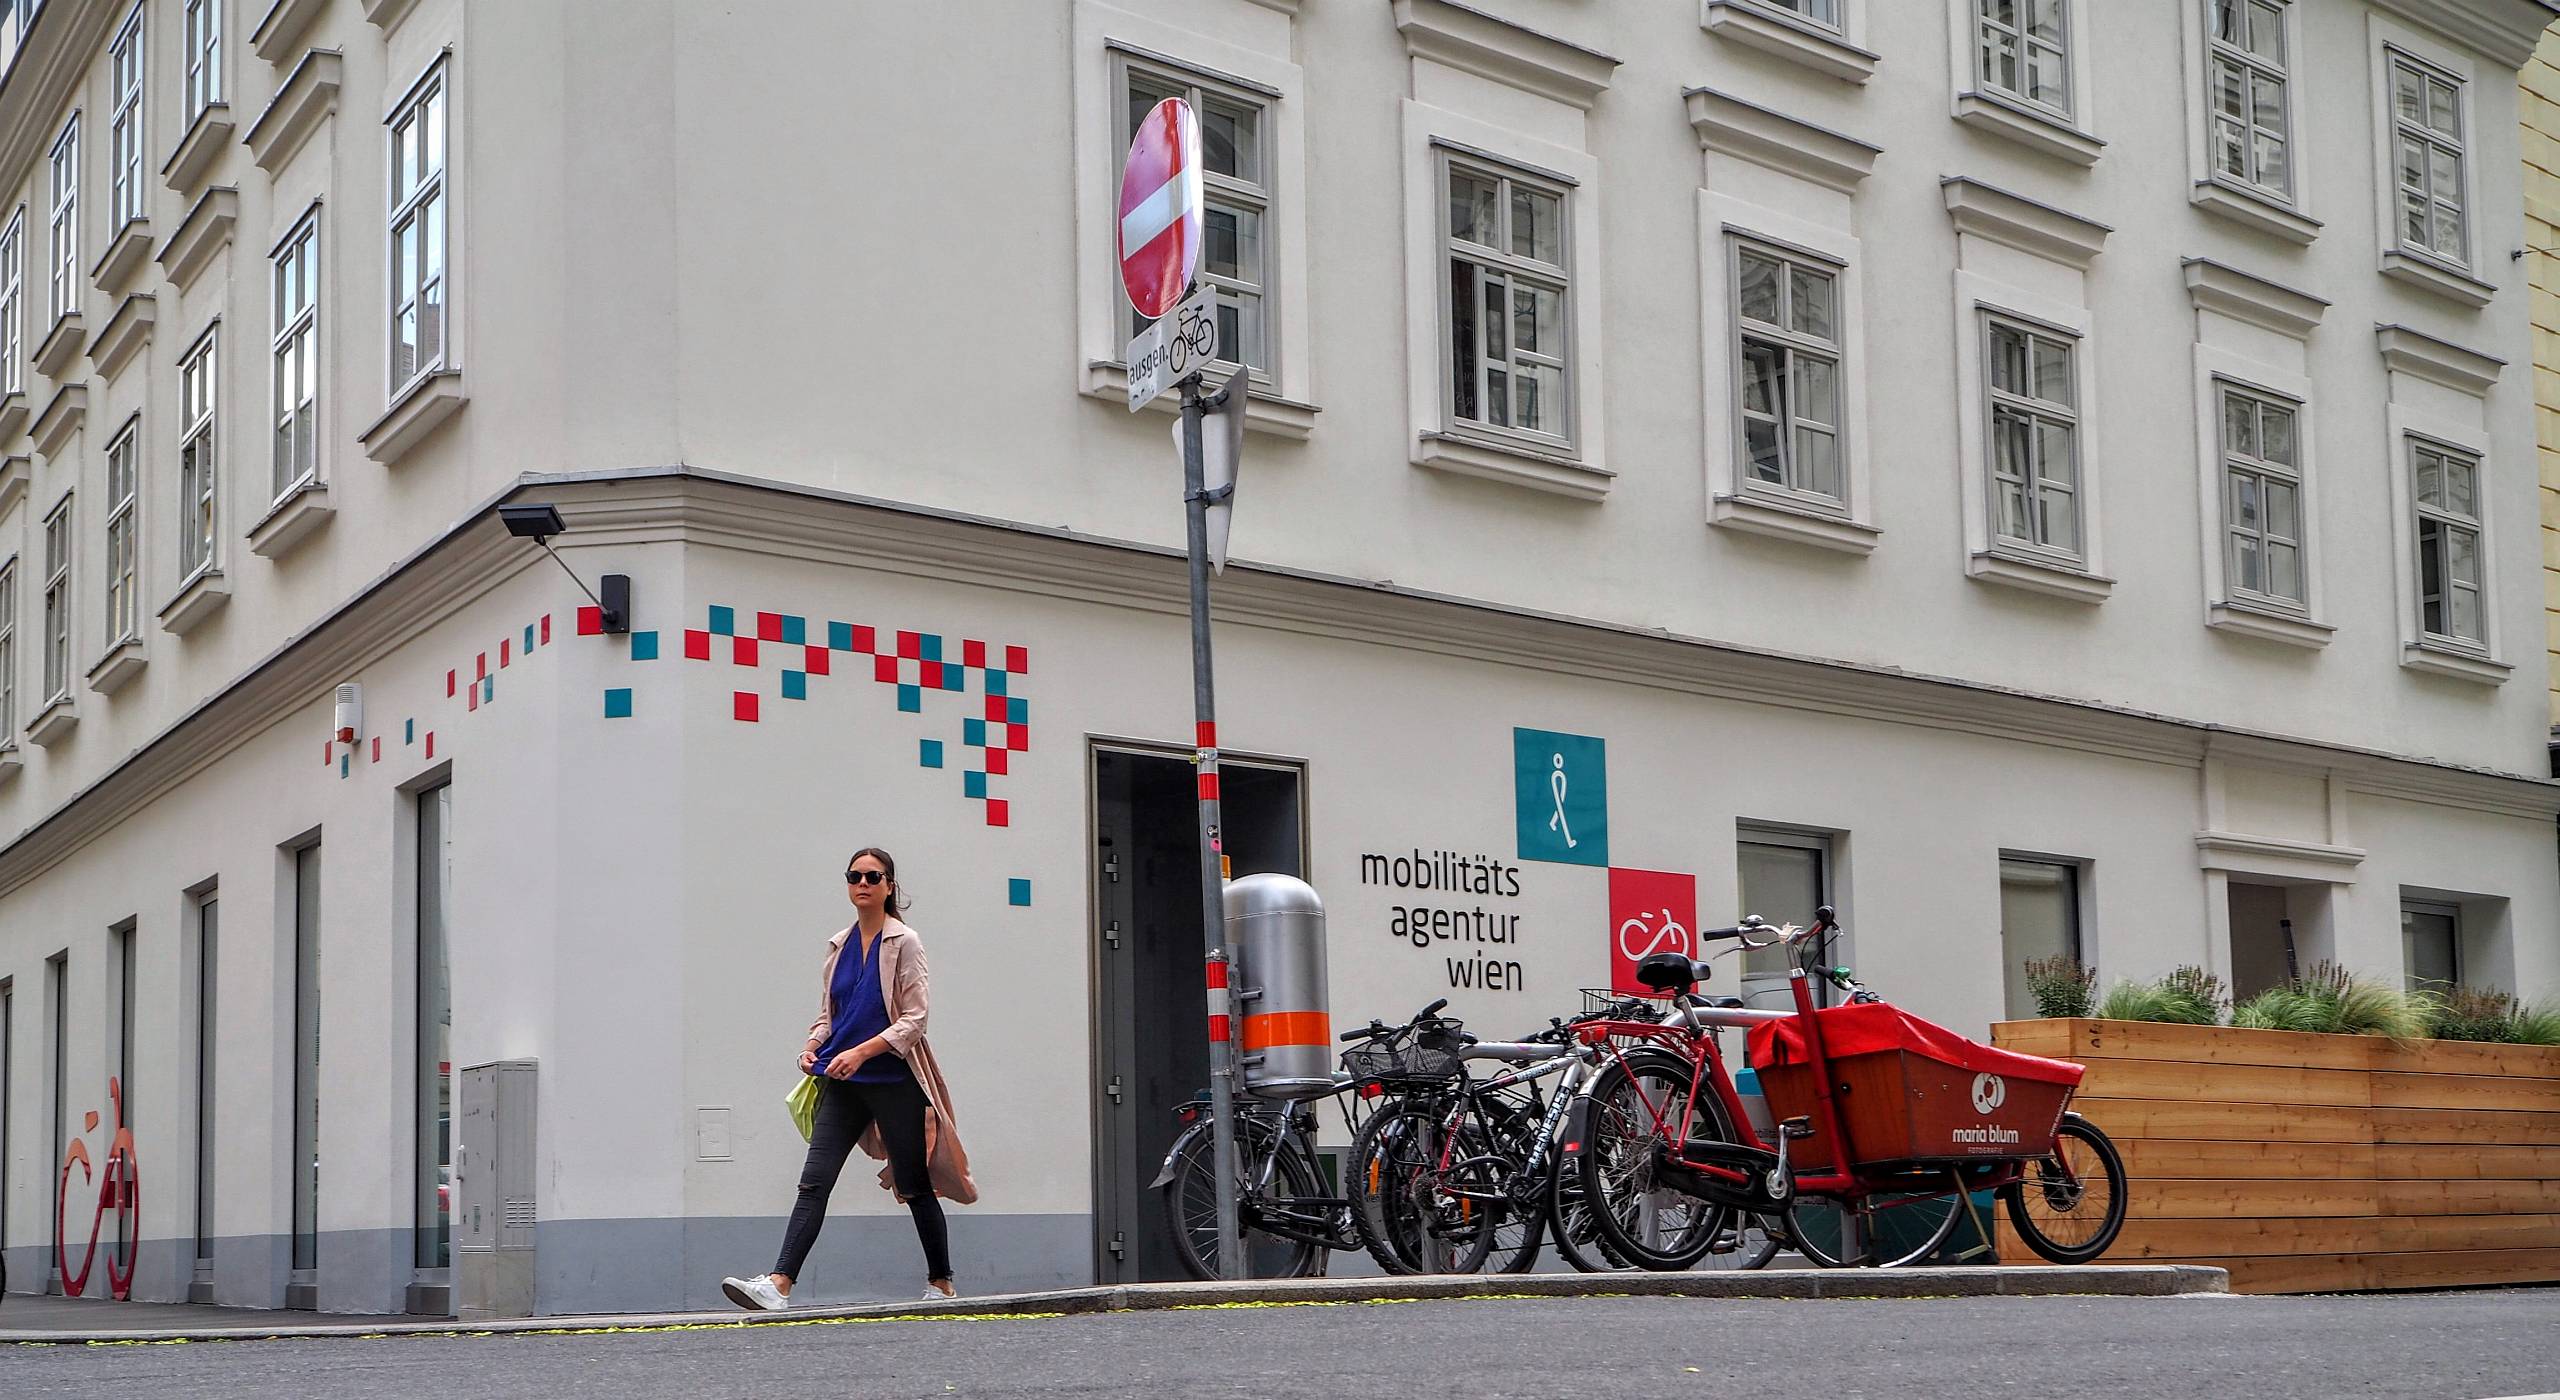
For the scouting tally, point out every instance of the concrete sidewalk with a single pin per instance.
(57, 1321)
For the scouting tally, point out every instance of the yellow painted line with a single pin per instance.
(461, 1334)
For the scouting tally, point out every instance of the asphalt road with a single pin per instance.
(2461, 1346)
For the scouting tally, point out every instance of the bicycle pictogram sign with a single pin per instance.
(1650, 911)
(119, 1189)
(1640, 938)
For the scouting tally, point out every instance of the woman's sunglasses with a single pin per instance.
(865, 877)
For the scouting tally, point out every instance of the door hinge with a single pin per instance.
(1111, 934)
(1111, 867)
(1113, 1088)
(1119, 1245)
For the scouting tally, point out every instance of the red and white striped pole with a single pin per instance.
(1213, 859)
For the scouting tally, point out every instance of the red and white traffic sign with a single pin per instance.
(1160, 208)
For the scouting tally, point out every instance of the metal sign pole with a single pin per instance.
(1213, 904)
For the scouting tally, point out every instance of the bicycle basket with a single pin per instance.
(1621, 1006)
(1406, 1062)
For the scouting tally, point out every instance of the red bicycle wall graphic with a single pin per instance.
(119, 1190)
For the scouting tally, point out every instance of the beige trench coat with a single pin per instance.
(902, 986)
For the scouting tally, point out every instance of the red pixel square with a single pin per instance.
(998, 812)
(1017, 660)
(997, 761)
(864, 639)
(448, 685)
(474, 701)
(743, 705)
(995, 709)
(911, 645)
(932, 675)
(480, 668)
(431, 743)
(1017, 737)
(505, 649)
(743, 650)
(697, 645)
(546, 627)
(815, 662)
(590, 622)
(974, 654)
(884, 669)
(377, 748)
(769, 626)
(328, 753)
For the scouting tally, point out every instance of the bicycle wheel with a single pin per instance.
(2071, 1204)
(1747, 1241)
(1403, 1205)
(1191, 1205)
(1569, 1225)
(1648, 1224)
(1884, 1229)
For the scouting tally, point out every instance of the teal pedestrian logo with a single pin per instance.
(1560, 783)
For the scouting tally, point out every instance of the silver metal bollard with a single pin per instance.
(1275, 935)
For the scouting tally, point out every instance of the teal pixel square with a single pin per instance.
(644, 646)
(932, 646)
(617, 704)
(409, 734)
(995, 682)
(795, 631)
(724, 622)
(488, 690)
(528, 637)
(839, 636)
(954, 676)
(795, 685)
(1017, 711)
(1018, 893)
(343, 761)
(973, 732)
(929, 753)
(974, 784)
(911, 699)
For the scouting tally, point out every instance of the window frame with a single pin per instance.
(2066, 51)
(2446, 519)
(1448, 158)
(1826, 848)
(299, 335)
(13, 296)
(1836, 349)
(2444, 908)
(60, 601)
(2077, 900)
(200, 41)
(1258, 196)
(199, 458)
(2037, 411)
(1837, 24)
(128, 187)
(121, 536)
(433, 190)
(2254, 66)
(63, 222)
(2226, 389)
(2397, 60)
(9, 652)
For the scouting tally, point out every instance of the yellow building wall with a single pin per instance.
(2540, 105)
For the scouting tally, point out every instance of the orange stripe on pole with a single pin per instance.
(1270, 1029)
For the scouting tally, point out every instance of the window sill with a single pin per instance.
(2440, 659)
(54, 722)
(13, 419)
(1515, 465)
(200, 236)
(62, 415)
(2267, 624)
(1783, 35)
(124, 334)
(126, 253)
(2049, 135)
(9, 764)
(2256, 210)
(118, 667)
(2427, 274)
(2051, 578)
(419, 410)
(300, 513)
(206, 139)
(303, 100)
(204, 595)
(1263, 413)
(285, 22)
(1787, 521)
(14, 475)
(61, 345)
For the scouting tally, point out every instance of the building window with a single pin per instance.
(434, 1077)
(1509, 354)
(203, 55)
(2022, 50)
(13, 278)
(125, 186)
(197, 478)
(2039, 918)
(418, 208)
(2431, 943)
(1235, 179)
(208, 1023)
(2034, 442)
(2426, 122)
(305, 1167)
(1822, 12)
(66, 222)
(57, 603)
(297, 369)
(8, 653)
(2251, 136)
(1785, 876)
(2448, 504)
(1786, 314)
(124, 602)
(2262, 497)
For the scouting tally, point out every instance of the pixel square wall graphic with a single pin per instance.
(1560, 785)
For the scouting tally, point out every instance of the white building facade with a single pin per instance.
(2044, 477)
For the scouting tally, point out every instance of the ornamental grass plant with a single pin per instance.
(2488, 1016)
(2329, 1000)
(2189, 996)
(2061, 985)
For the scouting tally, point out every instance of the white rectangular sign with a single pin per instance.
(1174, 348)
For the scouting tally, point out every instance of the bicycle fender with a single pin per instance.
(1576, 1127)
(1164, 1174)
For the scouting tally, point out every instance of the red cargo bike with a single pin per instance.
(1889, 1129)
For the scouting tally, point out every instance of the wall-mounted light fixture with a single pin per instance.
(538, 522)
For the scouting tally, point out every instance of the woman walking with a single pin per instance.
(878, 1087)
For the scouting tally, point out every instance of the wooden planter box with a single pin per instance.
(2319, 1163)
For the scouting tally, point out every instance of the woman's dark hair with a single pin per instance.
(895, 901)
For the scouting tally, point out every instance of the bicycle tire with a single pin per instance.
(1570, 1227)
(2051, 1194)
(1617, 1168)
(1924, 1221)
(1191, 1209)
(1747, 1241)
(1397, 1205)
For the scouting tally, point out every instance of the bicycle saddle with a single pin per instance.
(1670, 972)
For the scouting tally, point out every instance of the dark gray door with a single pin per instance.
(1151, 1052)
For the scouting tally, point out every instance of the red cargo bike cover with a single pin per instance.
(1875, 1027)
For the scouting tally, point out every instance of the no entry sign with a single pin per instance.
(1160, 208)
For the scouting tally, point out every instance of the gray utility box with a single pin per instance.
(493, 1197)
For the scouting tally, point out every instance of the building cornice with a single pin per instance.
(694, 506)
(2214, 286)
(46, 76)
(2028, 225)
(1489, 46)
(1766, 136)
(2504, 31)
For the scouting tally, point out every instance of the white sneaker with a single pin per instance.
(936, 1295)
(755, 1294)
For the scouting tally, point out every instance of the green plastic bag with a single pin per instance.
(803, 1103)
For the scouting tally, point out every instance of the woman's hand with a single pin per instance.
(845, 1063)
(808, 1058)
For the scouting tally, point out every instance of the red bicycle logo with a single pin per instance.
(119, 1189)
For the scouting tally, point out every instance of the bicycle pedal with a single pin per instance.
(1796, 1129)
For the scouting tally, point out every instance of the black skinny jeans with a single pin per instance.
(844, 1110)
